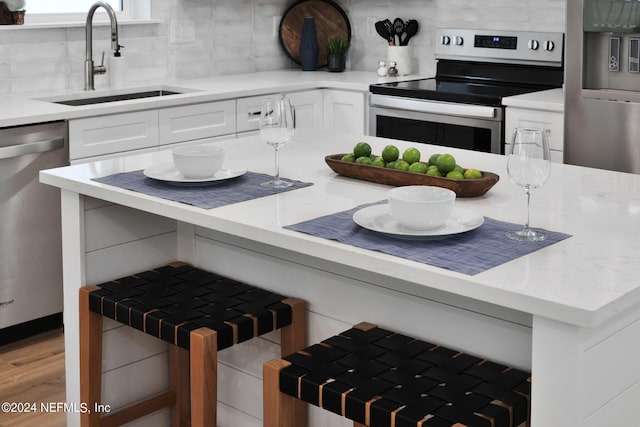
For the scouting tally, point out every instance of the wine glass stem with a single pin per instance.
(277, 171)
(528, 192)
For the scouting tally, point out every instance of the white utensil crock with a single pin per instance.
(401, 55)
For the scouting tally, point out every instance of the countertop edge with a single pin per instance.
(23, 109)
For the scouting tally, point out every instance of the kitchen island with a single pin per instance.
(568, 312)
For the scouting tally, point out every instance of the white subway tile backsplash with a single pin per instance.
(237, 36)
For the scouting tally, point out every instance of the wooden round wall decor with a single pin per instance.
(330, 19)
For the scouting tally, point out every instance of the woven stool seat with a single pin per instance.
(379, 378)
(198, 313)
(171, 301)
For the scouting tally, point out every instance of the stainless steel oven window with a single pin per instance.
(494, 126)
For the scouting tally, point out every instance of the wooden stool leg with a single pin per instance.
(280, 409)
(203, 354)
(179, 378)
(293, 336)
(90, 359)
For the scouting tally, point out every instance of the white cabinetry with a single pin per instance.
(95, 136)
(117, 133)
(308, 108)
(322, 109)
(540, 110)
(197, 121)
(344, 111)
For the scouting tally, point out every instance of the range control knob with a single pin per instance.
(549, 45)
(533, 44)
(445, 40)
(459, 41)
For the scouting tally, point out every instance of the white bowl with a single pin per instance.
(421, 207)
(198, 161)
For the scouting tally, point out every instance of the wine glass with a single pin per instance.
(529, 166)
(276, 129)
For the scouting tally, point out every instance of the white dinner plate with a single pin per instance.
(168, 172)
(378, 218)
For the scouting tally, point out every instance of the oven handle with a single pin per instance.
(435, 107)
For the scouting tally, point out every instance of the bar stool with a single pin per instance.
(378, 378)
(198, 313)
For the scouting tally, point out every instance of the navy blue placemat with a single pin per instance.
(207, 196)
(470, 253)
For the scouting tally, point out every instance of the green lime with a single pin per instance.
(362, 149)
(411, 155)
(349, 157)
(379, 161)
(458, 168)
(433, 172)
(455, 175)
(390, 153)
(418, 167)
(433, 159)
(472, 174)
(446, 163)
(391, 165)
(402, 165)
(364, 160)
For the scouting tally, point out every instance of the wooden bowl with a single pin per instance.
(462, 187)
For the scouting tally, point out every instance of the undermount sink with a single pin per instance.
(138, 93)
(113, 98)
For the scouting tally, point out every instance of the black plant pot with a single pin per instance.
(336, 62)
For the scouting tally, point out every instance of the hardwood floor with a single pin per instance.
(32, 372)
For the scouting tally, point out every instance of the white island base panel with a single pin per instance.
(581, 377)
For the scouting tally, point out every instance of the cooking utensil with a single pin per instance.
(388, 25)
(398, 29)
(383, 30)
(411, 29)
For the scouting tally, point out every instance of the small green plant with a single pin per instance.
(337, 45)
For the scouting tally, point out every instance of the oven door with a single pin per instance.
(467, 126)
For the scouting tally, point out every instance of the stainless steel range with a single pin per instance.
(462, 105)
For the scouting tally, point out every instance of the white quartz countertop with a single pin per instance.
(36, 108)
(583, 280)
(549, 100)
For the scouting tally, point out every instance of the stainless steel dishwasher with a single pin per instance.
(30, 237)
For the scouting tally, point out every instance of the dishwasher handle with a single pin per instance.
(31, 148)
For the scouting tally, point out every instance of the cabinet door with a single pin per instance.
(308, 108)
(344, 111)
(552, 121)
(197, 121)
(115, 133)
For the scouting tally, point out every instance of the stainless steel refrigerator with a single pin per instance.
(602, 83)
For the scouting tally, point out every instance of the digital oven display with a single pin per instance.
(496, 42)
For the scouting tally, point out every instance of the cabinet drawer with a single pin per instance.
(95, 136)
(248, 110)
(197, 121)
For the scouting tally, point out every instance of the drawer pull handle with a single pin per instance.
(6, 303)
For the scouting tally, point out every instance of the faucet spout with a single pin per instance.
(89, 69)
